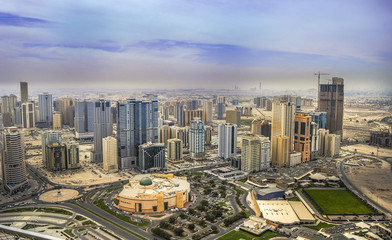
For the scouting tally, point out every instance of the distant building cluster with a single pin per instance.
(144, 134)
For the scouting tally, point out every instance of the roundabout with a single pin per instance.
(59, 195)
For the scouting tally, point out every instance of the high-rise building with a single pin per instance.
(233, 117)
(13, 161)
(261, 127)
(183, 134)
(190, 115)
(208, 136)
(220, 108)
(283, 117)
(322, 133)
(165, 132)
(18, 116)
(196, 139)
(207, 111)
(137, 123)
(48, 138)
(165, 112)
(314, 141)
(8, 103)
(67, 107)
(302, 135)
(73, 161)
(247, 111)
(45, 109)
(296, 100)
(227, 140)
(7, 119)
(151, 155)
(56, 157)
(280, 151)
(28, 115)
(192, 105)
(109, 147)
(24, 92)
(332, 145)
(331, 99)
(84, 119)
(56, 121)
(102, 126)
(320, 118)
(174, 150)
(179, 114)
(255, 153)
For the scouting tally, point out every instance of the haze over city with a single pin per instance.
(196, 120)
(192, 44)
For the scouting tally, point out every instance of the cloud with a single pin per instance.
(19, 21)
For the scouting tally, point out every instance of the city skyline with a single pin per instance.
(195, 44)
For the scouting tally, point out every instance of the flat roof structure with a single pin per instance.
(279, 211)
(302, 212)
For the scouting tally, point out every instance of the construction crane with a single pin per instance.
(318, 87)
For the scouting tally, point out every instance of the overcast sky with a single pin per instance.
(193, 44)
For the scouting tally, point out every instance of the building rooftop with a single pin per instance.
(278, 212)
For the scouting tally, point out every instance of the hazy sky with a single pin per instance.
(195, 43)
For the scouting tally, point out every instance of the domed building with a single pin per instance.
(154, 193)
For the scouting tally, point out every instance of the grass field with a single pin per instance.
(235, 235)
(338, 202)
(320, 226)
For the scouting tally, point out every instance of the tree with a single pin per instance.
(183, 216)
(214, 194)
(202, 223)
(191, 226)
(214, 229)
(191, 211)
(210, 217)
(178, 231)
(172, 219)
(164, 224)
(204, 202)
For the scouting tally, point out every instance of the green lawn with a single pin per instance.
(338, 202)
(320, 226)
(235, 235)
(223, 204)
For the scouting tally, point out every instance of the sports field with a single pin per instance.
(338, 202)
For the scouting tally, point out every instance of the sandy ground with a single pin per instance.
(374, 181)
(89, 173)
(366, 149)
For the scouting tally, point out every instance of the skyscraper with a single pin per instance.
(196, 139)
(227, 143)
(56, 121)
(302, 135)
(165, 133)
(220, 108)
(24, 92)
(84, 119)
(110, 162)
(174, 150)
(261, 127)
(320, 118)
(255, 153)
(280, 151)
(66, 106)
(45, 109)
(56, 157)
(314, 141)
(190, 115)
(207, 111)
(283, 117)
(233, 117)
(331, 100)
(208, 135)
(48, 138)
(151, 155)
(137, 123)
(332, 145)
(102, 126)
(179, 114)
(28, 115)
(296, 100)
(13, 161)
(72, 155)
